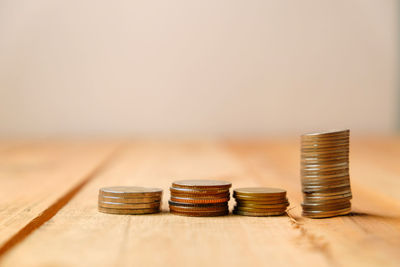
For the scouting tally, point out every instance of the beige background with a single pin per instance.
(210, 67)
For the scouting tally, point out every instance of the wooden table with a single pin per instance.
(49, 217)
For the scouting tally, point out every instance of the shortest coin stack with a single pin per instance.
(200, 198)
(260, 201)
(129, 200)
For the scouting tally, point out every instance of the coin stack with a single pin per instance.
(325, 174)
(200, 198)
(129, 200)
(260, 201)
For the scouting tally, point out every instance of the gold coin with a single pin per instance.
(240, 208)
(202, 184)
(130, 191)
(128, 211)
(129, 200)
(260, 192)
(258, 214)
(262, 202)
(260, 199)
(114, 205)
(327, 134)
(324, 201)
(200, 214)
(314, 207)
(324, 214)
(264, 206)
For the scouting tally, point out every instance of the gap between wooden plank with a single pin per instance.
(52, 210)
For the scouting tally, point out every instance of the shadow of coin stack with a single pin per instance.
(260, 201)
(199, 198)
(325, 174)
(129, 200)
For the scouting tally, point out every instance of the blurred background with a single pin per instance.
(198, 68)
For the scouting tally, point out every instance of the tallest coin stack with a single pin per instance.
(325, 174)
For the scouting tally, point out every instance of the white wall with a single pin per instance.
(216, 67)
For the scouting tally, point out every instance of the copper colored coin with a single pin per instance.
(114, 205)
(328, 134)
(130, 191)
(128, 211)
(199, 200)
(196, 191)
(201, 214)
(202, 184)
(258, 214)
(326, 207)
(198, 209)
(129, 200)
(206, 205)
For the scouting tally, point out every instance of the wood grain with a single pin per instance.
(38, 178)
(78, 235)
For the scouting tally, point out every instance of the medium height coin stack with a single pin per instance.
(260, 201)
(325, 174)
(200, 198)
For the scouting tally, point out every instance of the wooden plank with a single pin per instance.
(37, 178)
(78, 235)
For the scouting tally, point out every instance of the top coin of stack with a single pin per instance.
(325, 174)
(200, 198)
(260, 201)
(129, 200)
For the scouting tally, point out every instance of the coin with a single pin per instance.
(128, 211)
(198, 209)
(259, 192)
(128, 205)
(323, 214)
(201, 184)
(263, 202)
(250, 209)
(261, 198)
(184, 204)
(264, 206)
(258, 214)
(202, 192)
(199, 200)
(130, 191)
(201, 214)
(129, 200)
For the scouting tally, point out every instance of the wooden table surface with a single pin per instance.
(49, 217)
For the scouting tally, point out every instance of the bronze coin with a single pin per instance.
(129, 200)
(200, 214)
(128, 211)
(327, 134)
(307, 207)
(196, 191)
(130, 191)
(206, 205)
(199, 200)
(198, 209)
(114, 205)
(202, 184)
